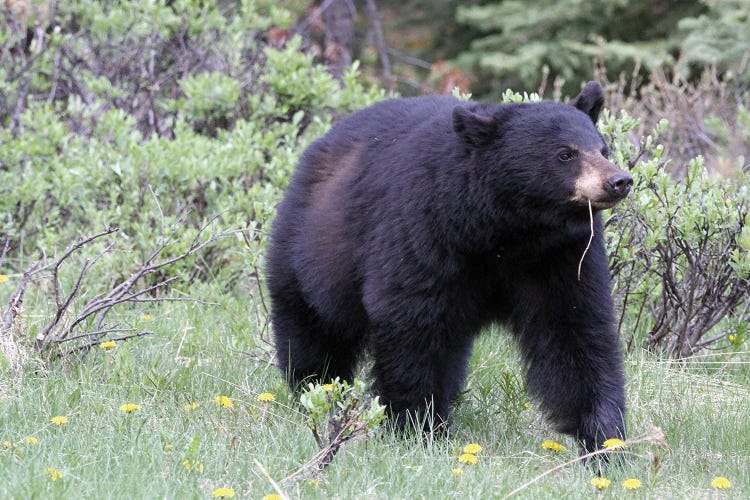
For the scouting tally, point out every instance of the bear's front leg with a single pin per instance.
(574, 362)
(419, 367)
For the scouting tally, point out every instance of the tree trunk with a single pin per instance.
(338, 18)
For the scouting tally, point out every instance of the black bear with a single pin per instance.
(416, 222)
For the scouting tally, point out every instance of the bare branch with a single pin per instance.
(372, 14)
(94, 343)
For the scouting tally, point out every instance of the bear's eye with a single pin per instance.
(566, 155)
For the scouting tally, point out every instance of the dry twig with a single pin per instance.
(96, 308)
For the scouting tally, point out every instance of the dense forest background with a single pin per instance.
(513, 44)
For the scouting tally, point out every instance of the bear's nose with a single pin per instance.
(619, 185)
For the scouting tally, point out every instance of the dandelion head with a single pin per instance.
(168, 447)
(31, 440)
(8, 445)
(223, 493)
(3, 278)
(631, 484)
(614, 444)
(735, 340)
(457, 471)
(328, 387)
(59, 420)
(266, 397)
(527, 405)
(54, 474)
(192, 405)
(472, 448)
(223, 401)
(721, 483)
(108, 345)
(553, 446)
(130, 407)
(467, 458)
(272, 496)
(600, 483)
(147, 317)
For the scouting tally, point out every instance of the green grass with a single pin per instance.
(197, 354)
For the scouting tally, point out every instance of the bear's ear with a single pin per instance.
(590, 100)
(474, 129)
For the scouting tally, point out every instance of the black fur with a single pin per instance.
(416, 222)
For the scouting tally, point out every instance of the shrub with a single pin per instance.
(155, 118)
(679, 246)
(101, 132)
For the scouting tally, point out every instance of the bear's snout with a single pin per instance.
(600, 181)
(618, 186)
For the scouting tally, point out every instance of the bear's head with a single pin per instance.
(544, 154)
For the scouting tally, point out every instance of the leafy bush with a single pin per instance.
(159, 119)
(100, 132)
(679, 248)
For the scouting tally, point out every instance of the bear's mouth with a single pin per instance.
(605, 204)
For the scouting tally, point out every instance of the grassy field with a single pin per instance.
(180, 443)
(96, 135)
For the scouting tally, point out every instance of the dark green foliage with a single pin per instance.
(720, 36)
(520, 39)
(131, 114)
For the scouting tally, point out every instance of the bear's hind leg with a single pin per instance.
(307, 348)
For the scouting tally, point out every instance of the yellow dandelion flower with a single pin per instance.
(110, 344)
(192, 465)
(32, 440)
(553, 446)
(223, 493)
(600, 483)
(59, 420)
(328, 387)
(631, 484)
(527, 405)
(472, 448)
(721, 483)
(130, 407)
(272, 496)
(192, 405)
(8, 445)
(736, 340)
(168, 447)
(267, 397)
(3, 278)
(147, 317)
(223, 401)
(457, 471)
(467, 458)
(614, 444)
(54, 474)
